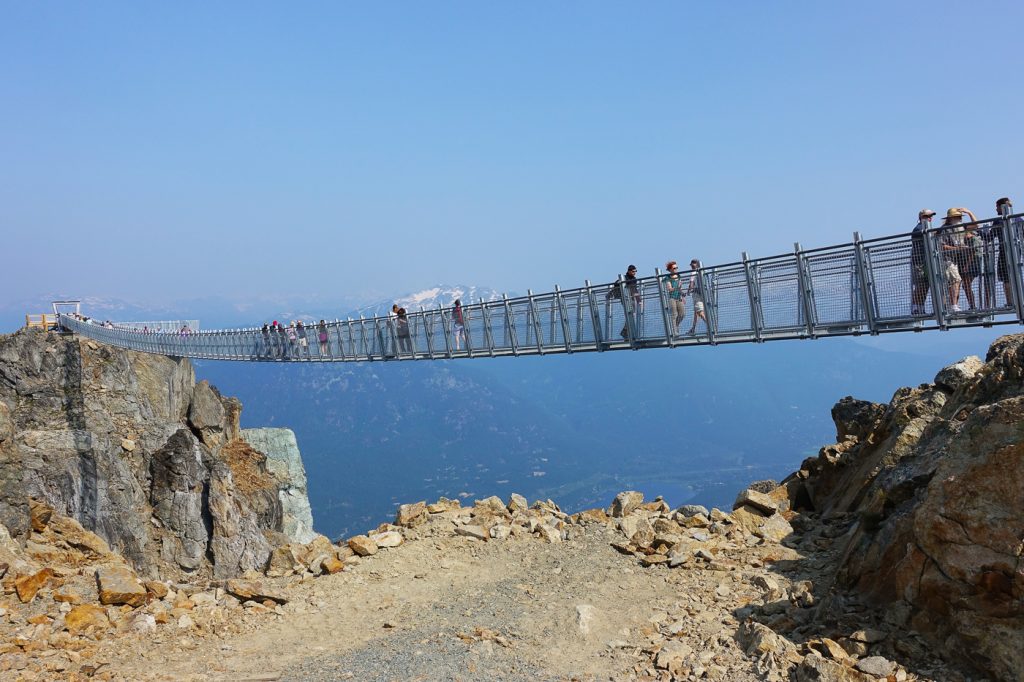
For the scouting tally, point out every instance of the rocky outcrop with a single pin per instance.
(935, 481)
(130, 447)
(284, 462)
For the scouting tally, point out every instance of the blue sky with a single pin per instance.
(248, 149)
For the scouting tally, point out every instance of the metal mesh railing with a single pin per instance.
(953, 276)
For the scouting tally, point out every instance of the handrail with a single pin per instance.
(862, 287)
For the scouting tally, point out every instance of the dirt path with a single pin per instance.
(452, 608)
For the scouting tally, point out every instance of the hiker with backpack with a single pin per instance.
(632, 286)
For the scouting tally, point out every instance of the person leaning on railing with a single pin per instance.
(1005, 208)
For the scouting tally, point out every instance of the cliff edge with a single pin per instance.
(133, 449)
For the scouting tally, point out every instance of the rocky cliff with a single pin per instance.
(934, 482)
(131, 447)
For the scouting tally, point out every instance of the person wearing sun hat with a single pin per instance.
(953, 249)
(918, 266)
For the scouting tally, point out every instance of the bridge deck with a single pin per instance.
(864, 287)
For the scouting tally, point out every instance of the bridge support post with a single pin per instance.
(864, 283)
(1012, 248)
(447, 328)
(754, 295)
(806, 291)
(428, 333)
(595, 317)
(535, 322)
(933, 265)
(485, 311)
(563, 316)
(510, 326)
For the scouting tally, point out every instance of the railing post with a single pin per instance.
(467, 333)
(754, 295)
(1011, 249)
(867, 295)
(664, 308)
(446, 327)
(595, 317)
(535, 322)
(485, 312)
(934, 268)
(563, 317)
(806, 292)
(510, 327)
(428, 332)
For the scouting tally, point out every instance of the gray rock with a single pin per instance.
(876, 665)
(106, 437)
(284, 461)
(472, 531)
(688, 510)
(959, 373)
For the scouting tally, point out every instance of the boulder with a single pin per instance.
(388, 539)
(625, 502)
(27, 586)
(516, 503)
(673, 654)
(362, 545)
(472, 531)
(492, 504)
(331, 565)
(762, 502)
(39, 514)
(878, 666)
(118, 585)
(855, 418)
(688, 510)
(443, 505)
(85, 617)
(816, 668)
(283, 561)
(410, 515)
(637, 529)
(246, 590)
(960, 373)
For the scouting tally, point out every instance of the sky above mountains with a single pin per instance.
(176, 151)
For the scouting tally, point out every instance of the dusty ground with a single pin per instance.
(577, 599)
(461, 609)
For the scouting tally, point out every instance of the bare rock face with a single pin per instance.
(937, 485)
(129, 447)
(284, 463)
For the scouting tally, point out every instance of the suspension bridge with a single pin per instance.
(966, 275)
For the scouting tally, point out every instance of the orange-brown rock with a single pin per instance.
(156, 588)
(118, 585)
(936, 481)
(39, 514)
(69, 597)
(332, 564)
(29, 585)
(410, 515)
(84, 617)
(252, 590)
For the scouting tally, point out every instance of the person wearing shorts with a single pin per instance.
(951, 245)
(696, 290)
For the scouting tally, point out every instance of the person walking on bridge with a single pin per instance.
(696, 290)
(402, 329)
(458, 324)
(676, 297)
(632, 287)
(321, 335)
(918, 266)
